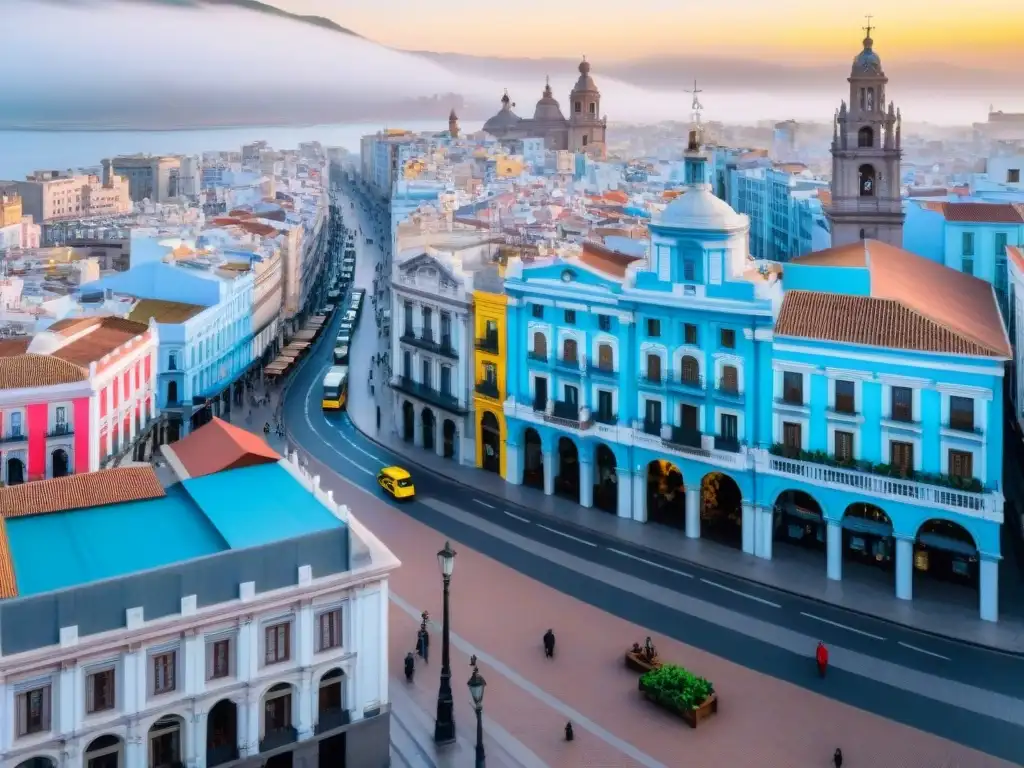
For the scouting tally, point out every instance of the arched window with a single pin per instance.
(863, 235)
(577, 106)
(871, 100)
(866, 180)
(605, 358)
(730, 379)
(569, 350)
(691, 370)
(540, 345)
(866, 137)
(593, 108)
(585, 139)
(653, 368)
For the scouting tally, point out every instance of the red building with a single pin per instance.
(75, 397)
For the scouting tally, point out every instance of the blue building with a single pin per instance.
(857, 414)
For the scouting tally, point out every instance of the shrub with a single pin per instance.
(677, 687)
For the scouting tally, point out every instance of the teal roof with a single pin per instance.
(65, 549)
(258, 505)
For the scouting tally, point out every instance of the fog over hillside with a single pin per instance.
(185, 63)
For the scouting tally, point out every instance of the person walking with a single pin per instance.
(837, 758)
(821, 657)
(549, 644)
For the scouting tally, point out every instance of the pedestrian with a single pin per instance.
(410, 666)
(837, 758)
(569, 735)
(821, 657)
(266, 428)
(549, 644)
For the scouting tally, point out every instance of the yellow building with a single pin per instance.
(508, 166)
(10, 209)
(489, 370)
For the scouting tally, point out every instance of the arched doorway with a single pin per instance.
(568, 482)
(721, 509)
(222, 733)
(867, 536)
(799, 520)
(449, 439)
(277, 730)
(59, 463)
(490, 431)
(408, 421)
(331, 711)
(946, 551)
(166, 742)
(15, 471)
(533, 460)
(666, 494)
(606, 482)
(104, 752)
(37, 762)
(172, 392)
(429, 428)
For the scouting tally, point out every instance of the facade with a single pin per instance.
(857, 414)
(583, 131)
(866, 201)
(785, 148)
(1015, 320)
(49, 195)
(490, 370)
(273, 647)
(153, 178)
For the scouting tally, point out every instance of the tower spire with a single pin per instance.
(867, 28)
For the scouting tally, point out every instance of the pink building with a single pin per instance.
(75, 397)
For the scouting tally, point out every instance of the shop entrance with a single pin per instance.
(490, 430)
(568, 481)
(721, 510)
(799, 521)
(867, 536)
(946, 551)
(606, 486)
(533, 460)
(666, 494)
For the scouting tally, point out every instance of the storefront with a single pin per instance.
(945, 551)
(798, 520)
(867, 536)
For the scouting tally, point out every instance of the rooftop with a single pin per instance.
(983, 213)
(163, 311)
(219, 446)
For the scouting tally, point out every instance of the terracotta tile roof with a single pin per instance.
(255, 228)
(605, 259)
(93, 489)
(8, 581)
(1016, 255)
(218, 446)
(12, 347)
(915, 304)
(73, 325)
(984, 213)
(163, 311)
(29, 370)
(107, 335)
(825, 196)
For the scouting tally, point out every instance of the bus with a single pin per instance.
(335, 388)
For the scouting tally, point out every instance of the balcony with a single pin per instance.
(220, 755)
(331, 719)
(488, 389)
(14, 436)
(652, 381)
(426, 342)
(727, 390)
(730, 444)
(689, 383)
(608, 418)
(276, 738)
(603, 371)
(428, 394)
(565, 414)
(791, 401)
(962, 429)
(540, 404)
(652, 428)
(568, 364)
(488, 343)
(537, 357)
(685, 437)
(966, 495)
(60, 430)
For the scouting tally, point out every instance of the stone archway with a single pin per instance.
(946, 551)
(222, 733)
(721, 509)
(568, 481)
(798, 520)
(60, 463)
(331, 709)
(39, 761)
(429, 429)
(450, 436)
(15, 471)
(606, 481)
(490, 431)
(408, 421)
(166, 742)
(666, 494)
(277, 728)
(867, 536)
(104, 752)
(533, 459)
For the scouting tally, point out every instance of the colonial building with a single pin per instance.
(490, 372)
(866, 200)
(583, 131)
(208, 629)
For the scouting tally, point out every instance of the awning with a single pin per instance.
(935, 541)
(305, 335)
(863, 525)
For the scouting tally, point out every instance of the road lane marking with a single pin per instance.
(483, 504)
(517, 517)
(741, 594)
(567, 535)
(922, 650)
(842, 626)
(650, 563)
(327, 443)
(339, 428)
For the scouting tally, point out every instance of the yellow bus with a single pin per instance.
(335, 388)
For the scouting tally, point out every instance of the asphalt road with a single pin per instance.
(334, 440)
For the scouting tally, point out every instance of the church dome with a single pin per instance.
(700, 209)
(867, 62)
(548, 109)
(585, 82)
(505, 120)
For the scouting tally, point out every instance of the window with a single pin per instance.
(218, 659)
(967, 265)
(605, 357)
(571, 395)
(793, 387)
(604, 322)
(34, 711)
(570, 316)
(727, 338)
(329, 632)
(540, 345)
(689, 270)
(16, 424)
(1013, 175)
(61, 417)
(729, 426)
(653, 327)
(172, 361)
(99, 691)
(967, 243)
(593, 108)
(407, 363)
(569, 350)
(577, 106)
(1001, 242)
(844, 446)
(691, 370)
(689, 417)
(164, 672)
(652, 413)
(585, 137)
(845, 397)
(690, 334)
(901, 456)
(537, 310)
(425, 378)
(277, 640)
(961, 413)
(604, 405)
(730, 379)
(961, 464)
(792, 438)
(902, 404)
(446, 379)
(865, 137)
(653, 368)
(490, 373)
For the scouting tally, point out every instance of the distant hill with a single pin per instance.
(253, 5)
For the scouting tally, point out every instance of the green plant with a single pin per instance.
(674, 686)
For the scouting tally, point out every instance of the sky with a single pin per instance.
(979, 33)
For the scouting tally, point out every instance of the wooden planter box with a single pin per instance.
(690, 716)
(636, 663)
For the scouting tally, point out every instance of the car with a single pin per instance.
(350, 316)
(341, 354)
(345, 329)
(397, 483)
(344, 337)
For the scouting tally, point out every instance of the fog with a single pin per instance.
(84, 61)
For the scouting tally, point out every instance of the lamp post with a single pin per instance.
(444, 723)
(476, 690)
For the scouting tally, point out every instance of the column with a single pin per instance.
(624, 489)
(249, 726)
(439, 434)
(747, 530)
(305, 719)
(417, 428)
(549, 472)
(65, 718)
(766, 529)
(306, 635)
(135, 747)
(834, 549)
(640, 497)
(195, 663)
(905, 569)
(693, 513)
(197, 755)
(586, 484)
(513, 464)
(988, 588)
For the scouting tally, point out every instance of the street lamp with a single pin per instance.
(476, 690)
(444, 723)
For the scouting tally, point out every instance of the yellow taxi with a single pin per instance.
(396, 482)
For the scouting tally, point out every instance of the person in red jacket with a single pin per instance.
(821, 656)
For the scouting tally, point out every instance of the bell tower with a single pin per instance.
(453, 124)
(866, 150)
(586, 125)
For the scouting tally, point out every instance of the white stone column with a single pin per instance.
(624, 488)
(513, 464)
(693, 513)
(550, 457)
(65, 718)
(417, 428)
(767, 530)
(134, 680)
(460, 329)
(306, 635)
(305, 713)
(586, 484)
(639, 498)
(834, 549)
(905, 569)
(747, 529)
(195, 663)
(135, 748)
(249, 737)
(195, 741)
(988, 588)
(439, 435)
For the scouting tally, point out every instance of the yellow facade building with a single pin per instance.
(508, 166)
(490, 369)
(10, 209)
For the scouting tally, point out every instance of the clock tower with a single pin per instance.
(866, 200)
